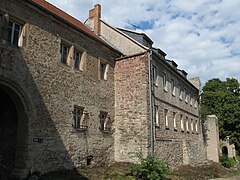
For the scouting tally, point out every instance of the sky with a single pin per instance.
(201, 36)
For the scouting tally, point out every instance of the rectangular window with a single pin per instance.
(14, 31)
(104, 122)
(191, 99)
(164, 82)
(77, 59)
(154, 75)
(192, 128)
(173, 87)
(174, 121)
(79, 121)
(186, 96)
(182, 123)
(64, 50)
(180, 92)
(196, 126)
(195, 102)
(166, 117)
(187, 127)
(102, 70)
(156, 115)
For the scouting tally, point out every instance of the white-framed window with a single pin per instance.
(180, 92)
(181, 122)
(156, 116)
(173, 87)
(14, 31)
(166, 118)
(79, 122)
(175, 120)
(105, 125)
(164, 82)
(196, 125)
(155, 75)
(192, 126)
(64, 50)
(187, 124)
(77, 59)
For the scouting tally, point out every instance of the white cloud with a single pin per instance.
(202, 36)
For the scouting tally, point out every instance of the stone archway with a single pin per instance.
(14, 156)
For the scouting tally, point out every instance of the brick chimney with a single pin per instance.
(95, 13)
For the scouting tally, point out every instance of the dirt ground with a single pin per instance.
(120, 171)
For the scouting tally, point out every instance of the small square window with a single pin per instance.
(79, 121)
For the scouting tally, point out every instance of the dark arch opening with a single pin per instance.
(8, 133)
(224, 151)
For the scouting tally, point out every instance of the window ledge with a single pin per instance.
(182, 130)
(81, 129)
(167, 128)
(175, 129)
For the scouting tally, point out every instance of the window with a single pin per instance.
(64, 54)
(174, 121)
(173, 87)
(155, 75)
(191, 99)
(14, 31)
(180, 92)
(79, 122)
(187, 127)
(195, 102)
(102, 71)
(192, 129)
(164, 82)
(104, 122)
(186, 96)
(156, 115)
(77, 59)
(196, 126)
(166, 117)
(181, 121)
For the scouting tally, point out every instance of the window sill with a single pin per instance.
(167, 128)
(81, 129)
(175, 129)
(182, 130)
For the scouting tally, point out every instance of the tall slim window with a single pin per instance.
(196, 126)
(164, 82)
(14, 31)
(192, 128)
(195, 102)
(173, 87)
(77, 59)
(155, 75)
(104, 122)
(191, 99)
(174, 121)
(181, 122)
(180, 92)
(166, 117)
(102, 70)
(64, 53)
(156, 115)
(78, 120)
(187, 124)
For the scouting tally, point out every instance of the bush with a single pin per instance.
(150, 169)
(227, 162)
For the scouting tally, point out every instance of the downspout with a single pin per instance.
(150, 98)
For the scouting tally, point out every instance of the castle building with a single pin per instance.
(74, 94)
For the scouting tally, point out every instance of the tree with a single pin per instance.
(222, 98)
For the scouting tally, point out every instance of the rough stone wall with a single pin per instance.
(212, 138)
(54, 88)
(131, 108)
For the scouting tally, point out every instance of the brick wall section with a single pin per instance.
(54, 88)
(131, 112)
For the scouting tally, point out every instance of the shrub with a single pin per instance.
(150, 169)
(227, 162)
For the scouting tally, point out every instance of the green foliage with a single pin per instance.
(222, 98)
(227, 162)
(150, 169)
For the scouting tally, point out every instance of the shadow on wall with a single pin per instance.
(30, 139)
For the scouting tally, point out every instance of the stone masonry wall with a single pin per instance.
(54, 88)
(131, 112)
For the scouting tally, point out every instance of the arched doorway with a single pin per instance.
(8, 133)
(13, 131)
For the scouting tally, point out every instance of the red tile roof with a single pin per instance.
(58, 12)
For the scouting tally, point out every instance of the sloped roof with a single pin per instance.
(63, 15)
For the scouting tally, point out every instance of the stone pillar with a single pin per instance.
(212, 138)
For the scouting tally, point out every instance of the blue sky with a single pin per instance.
(201, 36)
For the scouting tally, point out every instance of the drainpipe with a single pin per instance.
(150, 98)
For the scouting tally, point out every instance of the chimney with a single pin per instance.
(95, 14)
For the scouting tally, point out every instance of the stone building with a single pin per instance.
(156, 108)
(71, 96)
